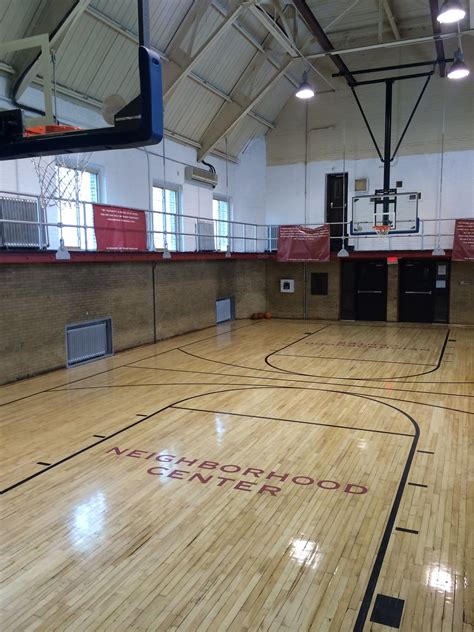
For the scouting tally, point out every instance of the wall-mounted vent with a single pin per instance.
(205, 236)
(225, 309)
(88, 341)
(19, 235)
(201, 176)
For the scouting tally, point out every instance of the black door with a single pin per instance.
(371, 297)
(336, 207)
(424, 291)
(364, 290)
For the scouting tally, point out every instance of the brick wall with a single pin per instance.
(292, 305)
(38, 301)
(462, 293)
(392, 293)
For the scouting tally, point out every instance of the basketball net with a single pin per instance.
(60, 177)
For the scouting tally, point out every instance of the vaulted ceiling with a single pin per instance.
(228, 67)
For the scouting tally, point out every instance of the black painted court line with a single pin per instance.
(380, 556)
(284, 379)
(292, 421)
(425, 451)
(418, 484)
(306, 388)
(249, 368)
(302, 355)
(141, 414)
(387, 611)
(407, 530)
(100, 436)
(53, 388)
(363, 379)
(41, 463)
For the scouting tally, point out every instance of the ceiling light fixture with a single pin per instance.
(451, 11)
(305, 90)
(459, 68)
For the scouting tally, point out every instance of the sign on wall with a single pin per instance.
(463, 245)
(118, 228)
(298, 243)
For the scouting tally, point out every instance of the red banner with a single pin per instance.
(118, 228)
(297, 243)
(463, 246)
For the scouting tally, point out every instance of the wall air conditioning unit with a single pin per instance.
(201, 176)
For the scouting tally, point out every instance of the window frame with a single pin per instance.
(178, 237)
(223, 198)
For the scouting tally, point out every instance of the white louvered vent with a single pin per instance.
(88, 341)
(21, 235)
(205, 236)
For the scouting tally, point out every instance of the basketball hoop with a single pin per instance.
(43, 130)
(382, 230)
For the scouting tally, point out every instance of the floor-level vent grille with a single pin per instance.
(88, 341)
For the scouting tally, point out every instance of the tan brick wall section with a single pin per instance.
(38, 301)
(292, 305)
(462, 293)
(392, 293)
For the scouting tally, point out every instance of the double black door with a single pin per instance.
(424, 291)
(364, 290)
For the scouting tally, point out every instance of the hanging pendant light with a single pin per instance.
(451, 11)
(459, 68)
(305, 90)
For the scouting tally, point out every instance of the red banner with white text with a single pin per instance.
(118, 228)
(463, 245)
(298, 243)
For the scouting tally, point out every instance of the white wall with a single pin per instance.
(285, 200)
(126, 176)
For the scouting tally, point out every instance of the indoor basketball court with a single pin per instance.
(237, 317)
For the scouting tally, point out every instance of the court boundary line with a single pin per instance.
(46, 390)
(365, 379)
(393, 399)
(294, 355)
(389, 526)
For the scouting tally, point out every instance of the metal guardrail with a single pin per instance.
(237, 236)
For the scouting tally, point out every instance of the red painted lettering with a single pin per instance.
(165, 458)
(275, 475)
(150, 456)
(253, 470)
(223, 480)
(241, 485)
(201, 479)
(117, 451)
(328, 485)
(187, 461)
(153, 470)
(177, 473)
(302, 480)
(348, 489)
(137, 454)
(270, 489)
(230, 468)
(208, 465)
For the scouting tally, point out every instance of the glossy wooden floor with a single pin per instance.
(269, 475)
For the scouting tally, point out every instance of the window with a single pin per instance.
(221, 216)
(165, 223)
(75, 191)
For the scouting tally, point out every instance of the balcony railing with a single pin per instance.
(24, 224)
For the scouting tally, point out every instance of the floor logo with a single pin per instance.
(215, 474)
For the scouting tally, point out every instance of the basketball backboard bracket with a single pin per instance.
(138, 124)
